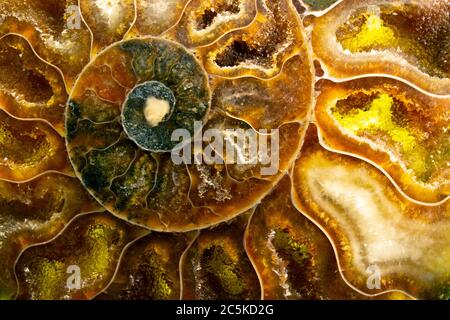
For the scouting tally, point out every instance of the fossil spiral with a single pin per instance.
(226, 149)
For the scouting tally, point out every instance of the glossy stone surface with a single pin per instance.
(399, 38)
(53, 28)
(92, 243)
(225, 149)
(35, 212)
(400, 129)
(217, 267)
(371, 224)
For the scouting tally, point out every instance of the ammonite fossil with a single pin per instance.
(226, 149)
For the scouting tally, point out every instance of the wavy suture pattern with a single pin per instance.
(259, 49)
(317, 5)
(249, 99)
(35, 212)
(93, 242)
(93, 206)
(407, 39)
(216, 266)
(111, 161)
(407, 132)
(53, 29)
(293, 257)
(153, 17)
(232, 186)
(29, 148)
(149, 268)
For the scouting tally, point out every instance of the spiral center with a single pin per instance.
(146, 112)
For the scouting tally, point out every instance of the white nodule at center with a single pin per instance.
(155, 110)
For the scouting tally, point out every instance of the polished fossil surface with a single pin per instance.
(349, 98)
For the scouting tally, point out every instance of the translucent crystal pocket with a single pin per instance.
(352, 98)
